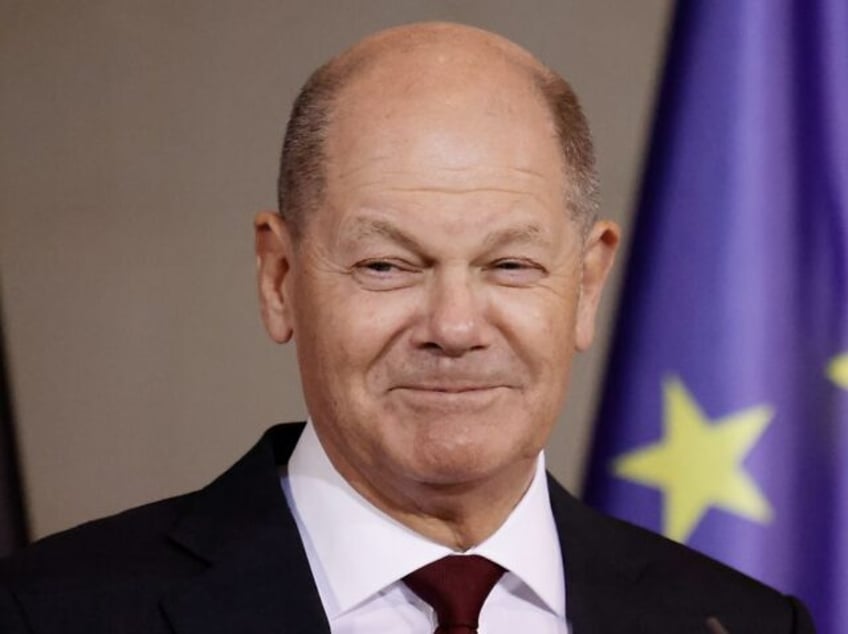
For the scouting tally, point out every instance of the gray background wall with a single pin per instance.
(138, 139)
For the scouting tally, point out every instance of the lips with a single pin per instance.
(449, 397)
(449, 388)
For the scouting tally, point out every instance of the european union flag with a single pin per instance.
(724, 420)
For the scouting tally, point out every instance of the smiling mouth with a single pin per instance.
(445, 398)
(448, 389)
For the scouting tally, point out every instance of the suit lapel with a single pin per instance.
(602, 596)
(258, 577)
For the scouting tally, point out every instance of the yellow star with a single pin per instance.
(837, 370)
(698, 463)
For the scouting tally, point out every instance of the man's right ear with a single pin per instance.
(274, 252)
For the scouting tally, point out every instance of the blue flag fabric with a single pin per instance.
(724, 418)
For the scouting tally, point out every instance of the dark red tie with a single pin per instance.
(456, 586)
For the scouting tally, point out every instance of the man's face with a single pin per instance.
(435, 297)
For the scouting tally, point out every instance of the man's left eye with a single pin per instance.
(380, 266)
(511, 265)
(515, 271)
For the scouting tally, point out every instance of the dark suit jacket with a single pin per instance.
(228, 559)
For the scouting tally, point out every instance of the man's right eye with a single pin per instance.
(385, 275)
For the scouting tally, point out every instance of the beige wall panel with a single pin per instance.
(138, 139)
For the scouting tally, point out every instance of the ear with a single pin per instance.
(274, 252)
(598, 257)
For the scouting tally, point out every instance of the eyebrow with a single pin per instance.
(530, 233)
(365, 228)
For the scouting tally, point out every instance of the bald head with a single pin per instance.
(428, 66)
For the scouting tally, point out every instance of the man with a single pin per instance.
(437, 262)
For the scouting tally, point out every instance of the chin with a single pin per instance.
(459, 463)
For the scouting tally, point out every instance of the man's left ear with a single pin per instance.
(598, 257)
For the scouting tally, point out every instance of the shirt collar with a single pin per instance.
(361, 550)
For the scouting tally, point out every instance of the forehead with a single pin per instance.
(440, 119)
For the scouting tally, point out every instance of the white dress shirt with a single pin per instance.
(358, 556)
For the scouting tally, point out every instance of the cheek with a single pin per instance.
(540, 332)
(350, 330)
(539, 324)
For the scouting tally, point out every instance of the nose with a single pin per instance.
(453, 321)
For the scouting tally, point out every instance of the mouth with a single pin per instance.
(457, 387)
(444, 397)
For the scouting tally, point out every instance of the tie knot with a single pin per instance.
(456, 586)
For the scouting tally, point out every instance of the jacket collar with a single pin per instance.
(602, 569)
(258, 577)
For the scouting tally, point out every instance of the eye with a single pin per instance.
(510, 265)
(516, 271)
(385, 274)
(380, 266)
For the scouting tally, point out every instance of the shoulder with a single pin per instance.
(124, 544)
(662, 582)
(112, 574)
(105, 575)
(142, 539)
